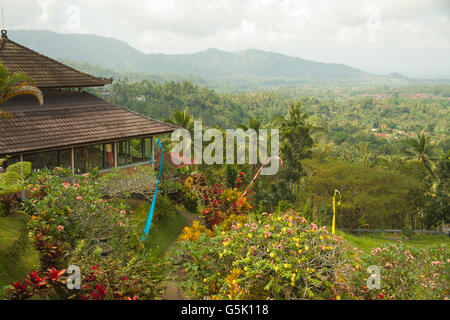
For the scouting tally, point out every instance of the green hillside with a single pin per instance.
(213, 63)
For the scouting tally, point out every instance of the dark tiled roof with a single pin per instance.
(68, 119)
(46, 72)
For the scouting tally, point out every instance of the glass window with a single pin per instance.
(136, 150)
(11, 160)
(147, 148)
(108, 155)
(123, 153)
(132, 151)
(88, 158)
(65, 158)
(42, 160)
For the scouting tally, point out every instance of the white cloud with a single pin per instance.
(336, 31)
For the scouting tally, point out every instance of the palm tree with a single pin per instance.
(16, 84)
(255, 124)
(422, 150)
(183, 119)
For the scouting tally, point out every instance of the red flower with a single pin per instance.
(134, 298)
(381, 296)
(35, 278)
(20, 286)
(53, 274)
(124, 278)
(98, 293)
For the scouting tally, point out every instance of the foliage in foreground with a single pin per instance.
(71, 224)
(283, 256)
(280, 256)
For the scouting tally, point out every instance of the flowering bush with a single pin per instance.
(280, 256)
(130, 276)
(194, 232)
(34, 284)
(65, 208)
(406, 273)
(219, 203)
(72, 223)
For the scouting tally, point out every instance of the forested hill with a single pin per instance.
(212, 63)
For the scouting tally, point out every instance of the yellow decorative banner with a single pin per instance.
(333, 226)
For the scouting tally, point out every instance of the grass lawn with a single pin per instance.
(369, 241)
(17, 256)
(162, 232)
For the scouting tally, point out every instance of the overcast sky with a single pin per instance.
(378, 36)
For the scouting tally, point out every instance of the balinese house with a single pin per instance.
(72, 128)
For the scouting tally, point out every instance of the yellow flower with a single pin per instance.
(226, 243)
(306, 248)
(338, 297)
(292, 284)
(245, 268)
(223, 233)
(272, 255)
(249, 235)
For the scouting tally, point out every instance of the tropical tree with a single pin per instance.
(296, 142)
(422, 150)
(12, 180)
(183, 119)
(15, 84)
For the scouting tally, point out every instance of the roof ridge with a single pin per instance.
(58, 62)
(46, 72)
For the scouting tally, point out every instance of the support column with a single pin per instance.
(73, 159)
(152, 153)
(115, 154)
(23, 195)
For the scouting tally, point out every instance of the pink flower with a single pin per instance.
(60, 228)
(120, 223)
(34, 201)
(76, 185)
(78, 198)
(123, 211)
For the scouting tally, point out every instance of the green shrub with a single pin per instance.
(406, 273)
(280, 256)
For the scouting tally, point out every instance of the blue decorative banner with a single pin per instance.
(152, 208)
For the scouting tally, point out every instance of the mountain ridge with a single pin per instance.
(211, 63)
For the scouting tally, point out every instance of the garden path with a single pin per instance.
(173, 291)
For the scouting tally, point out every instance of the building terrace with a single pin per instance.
(72, 128)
